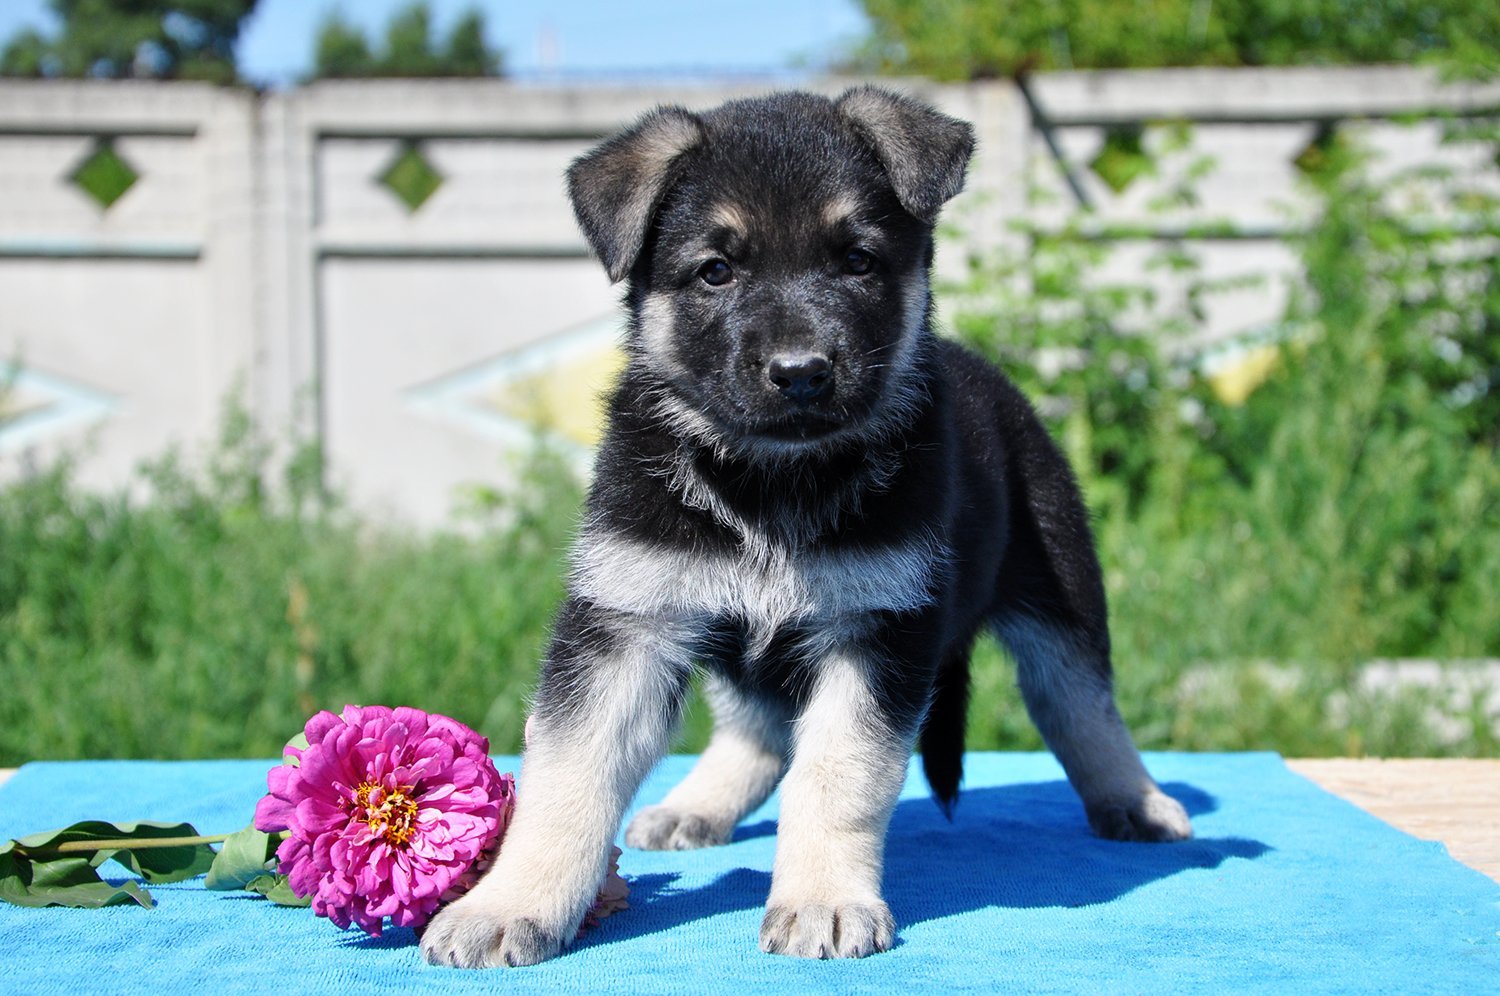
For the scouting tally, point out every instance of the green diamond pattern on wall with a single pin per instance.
(411, 177)
(1122, 160)
(104, 175)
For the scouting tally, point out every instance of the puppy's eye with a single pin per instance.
(857, 262)
(715, 273)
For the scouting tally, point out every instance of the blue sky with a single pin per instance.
(566, 36)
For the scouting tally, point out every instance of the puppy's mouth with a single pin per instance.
(807, 425)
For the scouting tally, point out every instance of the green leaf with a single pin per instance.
(247, 861)
(39, 869)
(62, 880)
(299, 742)
(278, 890)
(245, 857)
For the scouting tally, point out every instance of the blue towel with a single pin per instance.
(1285, 889)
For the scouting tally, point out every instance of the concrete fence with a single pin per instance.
(392, 266)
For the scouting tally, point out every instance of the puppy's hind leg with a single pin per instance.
(1065, 680)
(1049, 610)
(742, 763)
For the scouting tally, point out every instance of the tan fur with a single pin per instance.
(839, 209)
(836, 803)
(731, 216)
(657, 326)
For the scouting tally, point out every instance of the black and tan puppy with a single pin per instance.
(809, 495)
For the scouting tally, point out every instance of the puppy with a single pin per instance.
(809, 495)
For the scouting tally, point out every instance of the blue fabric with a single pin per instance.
(1285, 889)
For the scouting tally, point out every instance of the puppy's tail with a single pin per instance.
(942, 739)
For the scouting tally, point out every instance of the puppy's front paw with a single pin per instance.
(470, 934)
(660, 828)
(824, 930)
(1153, 818)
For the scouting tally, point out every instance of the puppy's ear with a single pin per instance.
(616, 188)
(924, 152)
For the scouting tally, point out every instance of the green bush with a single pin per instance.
(214, 618)
(968, 39)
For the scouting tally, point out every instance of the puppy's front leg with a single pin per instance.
(610, 694)
(848, 764)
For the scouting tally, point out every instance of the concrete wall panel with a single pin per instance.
(258, 248)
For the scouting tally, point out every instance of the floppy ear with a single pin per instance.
(616, 187)
(924, 152)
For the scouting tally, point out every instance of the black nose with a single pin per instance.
(802, 377)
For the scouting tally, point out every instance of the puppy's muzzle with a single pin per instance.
(801, 378)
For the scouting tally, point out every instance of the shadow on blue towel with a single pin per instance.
(1016, 846)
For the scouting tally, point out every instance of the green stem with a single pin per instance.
(134, 844)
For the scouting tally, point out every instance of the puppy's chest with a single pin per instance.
(764, 590)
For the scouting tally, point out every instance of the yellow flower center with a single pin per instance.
(389, 813)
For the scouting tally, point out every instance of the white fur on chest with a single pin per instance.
(767, 589)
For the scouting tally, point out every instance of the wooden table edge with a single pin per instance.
(1455, 801)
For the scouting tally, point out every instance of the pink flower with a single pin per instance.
(390, 811)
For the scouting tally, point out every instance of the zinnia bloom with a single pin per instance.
(390, 813)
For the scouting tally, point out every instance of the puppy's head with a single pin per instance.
(777, 251)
